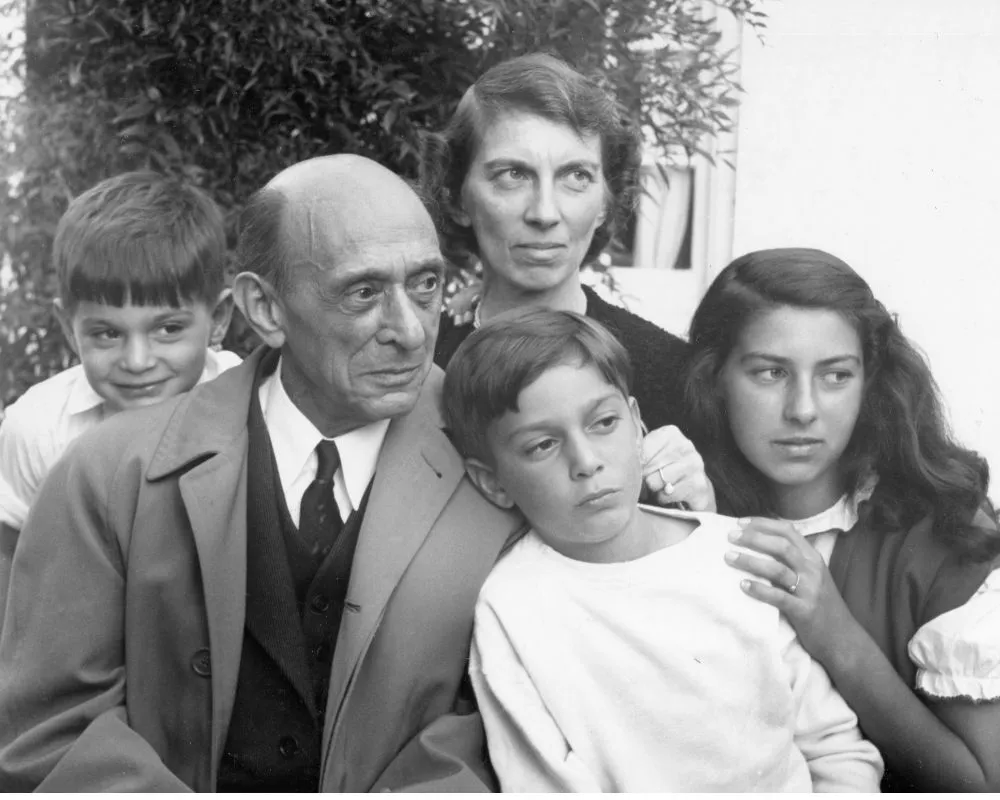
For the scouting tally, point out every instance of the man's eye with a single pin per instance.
(364, 293)
(429, 283)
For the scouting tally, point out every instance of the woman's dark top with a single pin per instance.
(657, 357)
(894, 582)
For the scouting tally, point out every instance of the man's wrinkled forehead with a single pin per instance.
(313, 225)
(343, 212)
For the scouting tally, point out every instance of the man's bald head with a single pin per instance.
(356, 271)
(320, 198)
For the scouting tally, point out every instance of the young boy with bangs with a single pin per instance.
(613, 649)
(140, 263)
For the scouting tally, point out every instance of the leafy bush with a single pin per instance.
(229, 92)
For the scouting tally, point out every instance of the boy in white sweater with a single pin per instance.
(613, 649)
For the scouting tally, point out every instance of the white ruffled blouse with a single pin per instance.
(956, 654)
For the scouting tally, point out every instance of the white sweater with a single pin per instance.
(657, 674)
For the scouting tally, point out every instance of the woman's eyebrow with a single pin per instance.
(764, 356)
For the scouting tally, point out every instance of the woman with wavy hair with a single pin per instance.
(532, 175)
(821, 427)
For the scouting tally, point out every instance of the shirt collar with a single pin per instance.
(82, 396)
(842, 515)
(294, 438)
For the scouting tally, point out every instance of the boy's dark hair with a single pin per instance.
(140, 238)
(496, 363)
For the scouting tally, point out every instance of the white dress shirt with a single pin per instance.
(38, 428)
(294, 439)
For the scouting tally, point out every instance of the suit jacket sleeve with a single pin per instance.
(63, 722)
(449, 755)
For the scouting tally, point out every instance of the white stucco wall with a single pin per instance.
(872, 130)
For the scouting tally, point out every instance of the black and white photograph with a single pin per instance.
(453, 396)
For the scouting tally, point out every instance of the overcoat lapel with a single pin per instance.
(418, 471)
(209, 426)
(214, 494)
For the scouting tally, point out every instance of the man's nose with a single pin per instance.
(137, 355)
(402, 323)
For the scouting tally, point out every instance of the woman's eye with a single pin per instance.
(770, 374)
(838, 377)
(105, 335)
(580, 178)
(511, 177)
(172, 328)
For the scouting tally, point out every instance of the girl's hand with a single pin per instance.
(796, 581)
(674, 472)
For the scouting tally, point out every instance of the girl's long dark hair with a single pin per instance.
(901, 434)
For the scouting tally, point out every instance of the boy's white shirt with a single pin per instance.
(605, 677)
(37, 429)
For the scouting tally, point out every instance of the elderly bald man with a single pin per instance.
(267, 584)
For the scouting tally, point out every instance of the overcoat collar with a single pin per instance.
(418, 471)
(207, 438)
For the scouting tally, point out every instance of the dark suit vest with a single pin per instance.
(293, 611)
(895, 582)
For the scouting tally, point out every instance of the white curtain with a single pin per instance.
(662, 216)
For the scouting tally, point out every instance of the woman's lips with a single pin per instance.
(540, 253)
(799, 446)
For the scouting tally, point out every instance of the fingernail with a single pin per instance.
(745, 585)
(743, 521)
(731, 556)
(734, 536)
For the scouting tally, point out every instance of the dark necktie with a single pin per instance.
(319, 516)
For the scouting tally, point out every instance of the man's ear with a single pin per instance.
(222, 315)
(485, 479)
(66, 324)
(256, 298)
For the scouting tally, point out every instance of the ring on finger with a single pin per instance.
(794, 586)
(668, 487)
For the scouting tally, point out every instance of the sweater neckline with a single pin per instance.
(625, 571)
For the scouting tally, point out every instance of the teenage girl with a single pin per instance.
(821, 428)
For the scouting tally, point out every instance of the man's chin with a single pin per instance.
(394, 404)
